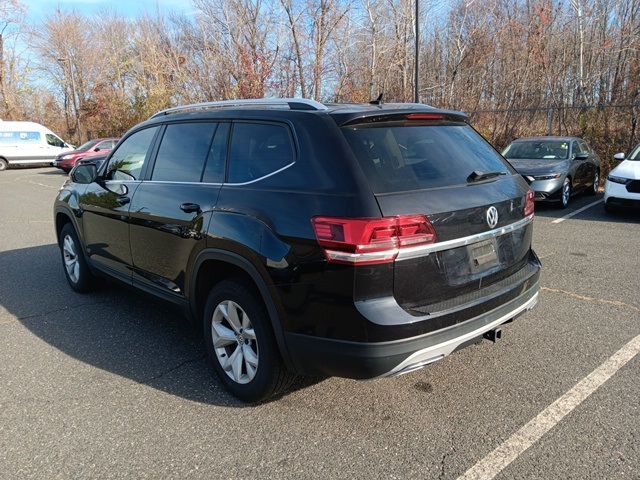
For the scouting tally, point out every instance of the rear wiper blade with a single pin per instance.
(478, 176)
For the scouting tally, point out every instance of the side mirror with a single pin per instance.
(84, 173)
(619, 156)
(97, 149)
(581, 156)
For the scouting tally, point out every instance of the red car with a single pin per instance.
(93, 148)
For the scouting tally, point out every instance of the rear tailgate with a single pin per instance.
(440, 167)
(470, 255)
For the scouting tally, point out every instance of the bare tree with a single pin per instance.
(11, 14)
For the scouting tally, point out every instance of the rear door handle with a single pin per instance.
(190, 208)
(122, 200)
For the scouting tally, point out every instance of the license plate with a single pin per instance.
(483, 255)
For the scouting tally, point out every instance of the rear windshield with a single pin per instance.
(404, 158)
(538, 150)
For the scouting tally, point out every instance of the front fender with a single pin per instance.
(67, 203)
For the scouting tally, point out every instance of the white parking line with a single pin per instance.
(514, 446)
(43, 185)
(569, 215)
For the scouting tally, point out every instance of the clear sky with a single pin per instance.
(41, 9)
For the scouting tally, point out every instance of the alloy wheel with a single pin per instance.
(234, 342)
(71, 263)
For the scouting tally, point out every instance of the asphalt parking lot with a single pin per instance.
(115, 385)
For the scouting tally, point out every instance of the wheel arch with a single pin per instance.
(61, 219)
(212, 266)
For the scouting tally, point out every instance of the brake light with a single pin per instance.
(425, 116)
(529, 204)
(363, 241)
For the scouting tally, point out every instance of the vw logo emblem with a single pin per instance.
(492, 217)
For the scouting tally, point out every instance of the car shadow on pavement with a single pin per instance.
(116, 329)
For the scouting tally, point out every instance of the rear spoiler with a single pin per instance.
(405, 115)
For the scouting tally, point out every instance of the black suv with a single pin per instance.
(358, 241)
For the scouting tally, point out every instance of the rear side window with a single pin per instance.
(183, 152)
(403, 158)
(257, 150)
(106, 145)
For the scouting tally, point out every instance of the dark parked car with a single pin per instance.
(359, 241)
(555, 167)
(93, 148)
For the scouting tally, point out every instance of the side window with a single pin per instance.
(53, 140)
(214, 171)
(183, 152)
(258, 150)
(584, 148)
(127, 161)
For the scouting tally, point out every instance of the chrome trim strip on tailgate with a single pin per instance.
(422, 250)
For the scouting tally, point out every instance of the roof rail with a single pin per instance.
(291, 103)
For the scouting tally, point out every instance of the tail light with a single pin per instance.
(363, 241)
(529, 204)
(425, 116)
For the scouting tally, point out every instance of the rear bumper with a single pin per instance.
(364, 360)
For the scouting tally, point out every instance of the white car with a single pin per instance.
(622, 188)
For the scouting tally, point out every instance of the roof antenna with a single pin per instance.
(377, 101)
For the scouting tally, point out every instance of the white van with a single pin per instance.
(28, 143)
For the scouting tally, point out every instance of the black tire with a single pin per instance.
(595, 184)
(3, 164)
(609, 208)
(81, 280)
(271, 378)
(565, 198)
